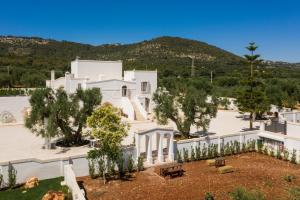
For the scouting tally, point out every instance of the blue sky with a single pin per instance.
(228, 24)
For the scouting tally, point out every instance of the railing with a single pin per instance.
(276, 127)
(70, 180)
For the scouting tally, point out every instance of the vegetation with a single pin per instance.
(12, 176)
(241, 193)
(130, 165)
(36, 192)
(106, 126)
(188, 103)
(294, 193)
(55, 113)
(208, 196)
(252, 97)
(140, 164)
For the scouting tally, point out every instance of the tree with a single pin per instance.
(186, 104)
(252, 97)
(107, 126)
(55, 113)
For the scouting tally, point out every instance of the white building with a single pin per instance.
(132, 93)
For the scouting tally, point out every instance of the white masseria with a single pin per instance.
(131, 92)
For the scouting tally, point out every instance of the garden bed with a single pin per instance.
(251, 170)
(35, 193)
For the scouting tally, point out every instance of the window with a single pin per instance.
(124, 91)
(79, 86)
(145, 87)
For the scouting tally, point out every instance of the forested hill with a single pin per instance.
(26, 62)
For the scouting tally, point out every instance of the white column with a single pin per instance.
(219, 145)
(137, 145)
(262, 126)
(294, 117)
(160, 155)
(241, 140)
(149, 149)
(171, 147)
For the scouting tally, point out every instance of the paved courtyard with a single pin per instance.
(17, 142)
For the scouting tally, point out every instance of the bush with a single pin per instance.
(1, 179)
(294, 193)
(179, 157)
(225, 169)
(265, 151)
(140, 164)
(92, 170)
(259, 146)
(120, 164)
(12, 175)
(215, 150)
(208, 196)
(204, 152)
(278, 154)
(289, 178)
(272, 152)
(241, 193)
(101, 166)
(198, 153)
(185, 155)
(193, 157)
(130, 165)
(294, 157)
(286, 155)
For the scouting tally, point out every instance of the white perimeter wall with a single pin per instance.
(15, 105)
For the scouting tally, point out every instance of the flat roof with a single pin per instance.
(101, 61)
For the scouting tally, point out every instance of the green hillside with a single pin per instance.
(26, 62)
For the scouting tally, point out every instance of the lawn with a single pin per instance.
(253, 171)
(35, 193)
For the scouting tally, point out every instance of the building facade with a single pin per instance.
(132, 92)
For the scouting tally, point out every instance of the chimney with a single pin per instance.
(52, 75)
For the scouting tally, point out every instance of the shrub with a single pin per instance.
(222, 153)
(294, 193)
(111, 168)
(272, 152)
(286, 154)
(1, 179)
(278, 154)
(92, 170)
(227, 150)
(244, 147)
(185, 155)
(204, 152)
(237, 148)
(208, 196)
(241, 193)
(198, 153)
(289, 178)
(259, 146)
(225, 169)
(12, 175)
(140, 164)
(130, 165)
(232, 149)
(215, 150)
(209, 152)
(179, 157)
(294, 157)
(193, 157)
(101, 167)
(120, 163)
(265, 151)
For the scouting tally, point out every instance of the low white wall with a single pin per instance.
(45, 169)
(293, 129)
(219, 140)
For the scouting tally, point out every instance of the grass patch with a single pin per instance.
(35, 193)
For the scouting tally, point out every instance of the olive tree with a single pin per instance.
(186, 105)
(56, 113)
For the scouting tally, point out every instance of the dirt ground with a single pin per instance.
(252, 170)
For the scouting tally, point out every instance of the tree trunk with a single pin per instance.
(251, 121)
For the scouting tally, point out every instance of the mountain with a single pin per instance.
(27, 61)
